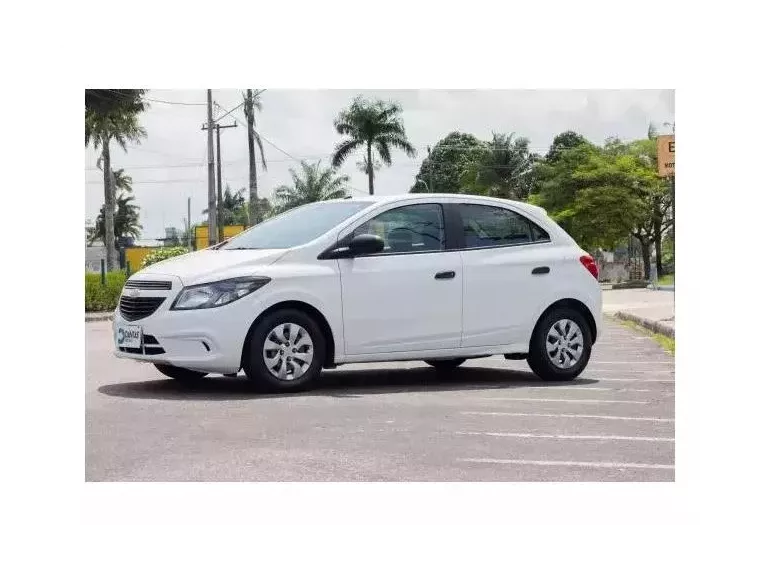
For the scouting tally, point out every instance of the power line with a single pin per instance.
(284, 151)
(168, 181)
(262, 136)
(157, 100)
(256, 94)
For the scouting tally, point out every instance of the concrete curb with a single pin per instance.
(92, 317)
(663, 288)
(649, 324)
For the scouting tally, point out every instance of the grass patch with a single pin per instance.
(667, 343)
(667, 280)
(98, 297)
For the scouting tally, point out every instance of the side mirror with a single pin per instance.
(365, 244)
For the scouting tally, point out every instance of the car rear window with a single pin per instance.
(491, 226)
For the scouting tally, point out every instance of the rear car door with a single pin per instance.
(408, 297)
(507, 262)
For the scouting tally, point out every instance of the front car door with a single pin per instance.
(408, 297)
(507, 261)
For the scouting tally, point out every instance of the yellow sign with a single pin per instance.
(666, 155)
(201, 234)
(135, 255)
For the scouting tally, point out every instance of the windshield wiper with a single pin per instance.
(242, 248)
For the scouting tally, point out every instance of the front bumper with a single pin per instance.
(207, 340)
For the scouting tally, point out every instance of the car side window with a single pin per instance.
(491, 226)
(408, 229)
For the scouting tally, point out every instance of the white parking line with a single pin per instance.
(573, 387)
(568, 416)
(570, 401)
(603, 465)
(602, 379)
(622, 343)
(564, 436)
(629, 362)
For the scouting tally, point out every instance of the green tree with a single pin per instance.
(126, 221)
(504, 168)
(313, 184)
(562, 142)
(106, 101)
(602, 195)
(374, 125)
(252, 103)
(233, 208)
(656, 195)
(265, 208)
(121, 181)
(605, 208)
(556, 186)
(110, 119)
(449, 159)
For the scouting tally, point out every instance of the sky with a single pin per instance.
(169, 166)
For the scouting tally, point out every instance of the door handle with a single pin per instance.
(540, 270)
(445, 275)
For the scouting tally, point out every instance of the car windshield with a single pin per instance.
(296, 227)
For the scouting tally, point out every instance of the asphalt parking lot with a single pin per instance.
(490, 420)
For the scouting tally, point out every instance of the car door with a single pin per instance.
(409, 296)
(506, 272)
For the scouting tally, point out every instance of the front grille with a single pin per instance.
(135, 308)
(155, 285)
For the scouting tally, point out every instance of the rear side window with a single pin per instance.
(491, 226)
(408, 229)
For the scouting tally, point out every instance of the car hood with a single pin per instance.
(212, 264)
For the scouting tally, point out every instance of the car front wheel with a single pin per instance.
(561, 345)
(286, 352)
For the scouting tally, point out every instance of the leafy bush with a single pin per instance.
(98, 297)
(163, 253)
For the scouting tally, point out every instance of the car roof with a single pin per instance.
(439, 196)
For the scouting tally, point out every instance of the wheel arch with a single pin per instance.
(306, 308)
(571, 304)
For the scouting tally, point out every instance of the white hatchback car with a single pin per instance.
(434, 277)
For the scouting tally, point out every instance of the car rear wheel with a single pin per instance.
(446, 364)
(182, 375)
(561, 345)
(285, 353)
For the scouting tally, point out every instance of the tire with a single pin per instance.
(276, 331)
(446, 364)
(564, 363)
(181, 375)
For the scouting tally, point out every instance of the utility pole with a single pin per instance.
(210, 151)
(189, 225)
(219, 195)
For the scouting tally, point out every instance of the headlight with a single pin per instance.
(216, 294)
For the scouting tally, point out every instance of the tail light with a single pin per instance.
(589, 263)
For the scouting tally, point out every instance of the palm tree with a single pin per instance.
(103, 124)
(232, 208)
(503, 169)
(121, 181)
(126, 220)
(376, 125)
(253, 103)
(313, 184)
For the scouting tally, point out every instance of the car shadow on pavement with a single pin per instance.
(340, 384)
